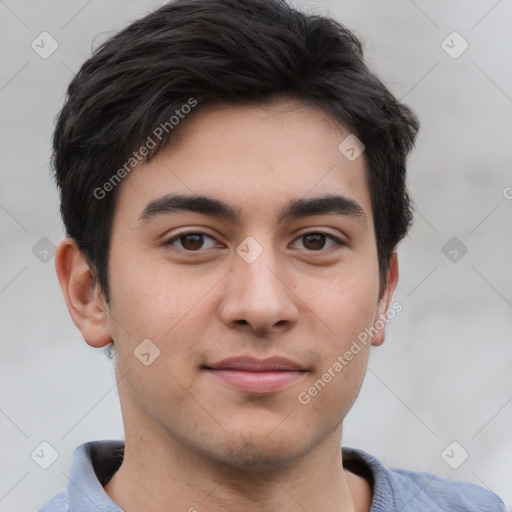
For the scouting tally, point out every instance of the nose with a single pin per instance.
(258, 296)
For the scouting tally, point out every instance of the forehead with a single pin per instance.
(257, 158)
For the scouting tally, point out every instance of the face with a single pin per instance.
(249, 295)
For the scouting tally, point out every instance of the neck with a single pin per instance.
(168, 477)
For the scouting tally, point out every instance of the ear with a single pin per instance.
(385, 300)
(86, 304)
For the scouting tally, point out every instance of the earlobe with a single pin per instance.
(85, 302)
(381, 318)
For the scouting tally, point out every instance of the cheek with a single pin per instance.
(149, 297)
(343, 309)
(327, 401)
(346, 303)
(152, 300)
(337, 379)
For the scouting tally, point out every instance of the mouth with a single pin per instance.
(259, 376)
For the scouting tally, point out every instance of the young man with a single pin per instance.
(232, 183)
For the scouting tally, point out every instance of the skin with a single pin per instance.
(192, 441)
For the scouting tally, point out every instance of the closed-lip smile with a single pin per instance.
(260, 376)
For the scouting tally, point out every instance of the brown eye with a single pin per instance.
(315, 241)
(192, 241)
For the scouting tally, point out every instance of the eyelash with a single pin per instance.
(175, 238)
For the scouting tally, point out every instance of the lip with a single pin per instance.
(261, 376)
(253, 364)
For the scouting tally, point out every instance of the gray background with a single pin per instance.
(444, 373)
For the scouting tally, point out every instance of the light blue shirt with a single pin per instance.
(394, 490)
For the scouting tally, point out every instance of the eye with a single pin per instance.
(191, 241)
(194, 241)
(315, 241)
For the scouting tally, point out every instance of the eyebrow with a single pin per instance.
(296, 208)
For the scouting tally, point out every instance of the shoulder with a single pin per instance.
(91, 465)
(401, 489)
(424, 490)
(59, 503)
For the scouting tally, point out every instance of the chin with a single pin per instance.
(262, 453)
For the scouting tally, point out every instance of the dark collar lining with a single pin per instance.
(354, 463)
(106, 461)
